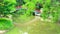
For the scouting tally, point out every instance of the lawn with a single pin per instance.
(38, 27)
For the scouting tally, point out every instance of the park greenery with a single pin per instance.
(6, 8)
(51, 10)
(5, 24)
(50, 7)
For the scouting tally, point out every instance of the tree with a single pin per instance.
(20, 2)
(7, 7)
(50, 8)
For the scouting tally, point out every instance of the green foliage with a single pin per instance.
(29, 6)
(50, 8)
(7, 6)
(5, 24)
(20, 2)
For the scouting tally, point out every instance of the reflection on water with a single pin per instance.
(36, 28)
(21, 32)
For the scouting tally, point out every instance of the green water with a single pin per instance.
(37, 27)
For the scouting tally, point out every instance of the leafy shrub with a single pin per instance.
(5, 24)
(8, 7)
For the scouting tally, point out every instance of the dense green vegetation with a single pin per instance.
(50, 7)
(51, 10)
(5, 24)
(7, 7)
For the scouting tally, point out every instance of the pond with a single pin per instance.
(38, 27)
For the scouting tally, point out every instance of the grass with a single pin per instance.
(38, 27)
